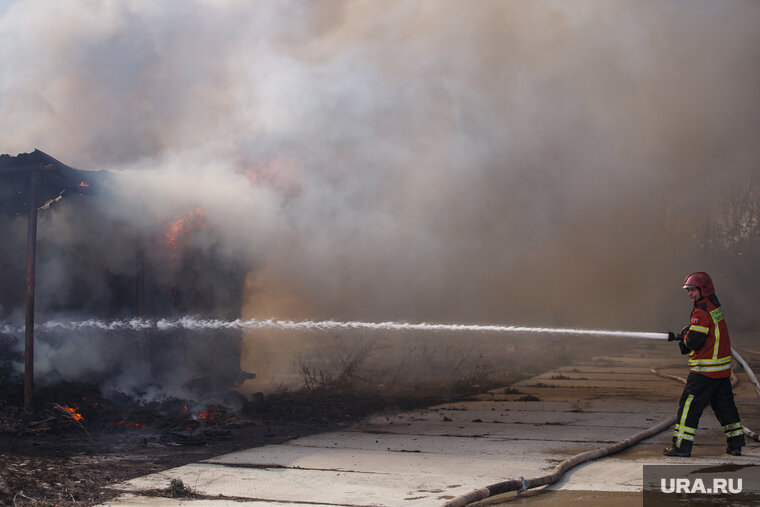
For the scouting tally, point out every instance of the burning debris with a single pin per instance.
(95, 262)
(69, 412)
(62, 407)
(140, 390)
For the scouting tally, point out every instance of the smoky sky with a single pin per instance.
(513, 162)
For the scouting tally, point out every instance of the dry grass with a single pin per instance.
(440, 367)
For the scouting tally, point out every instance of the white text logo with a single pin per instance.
(698, 486)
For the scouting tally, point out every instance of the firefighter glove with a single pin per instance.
(682, 333)
(683, 347)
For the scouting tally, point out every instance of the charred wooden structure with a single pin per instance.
(95, 261)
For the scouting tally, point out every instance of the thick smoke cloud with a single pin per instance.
(523, 162)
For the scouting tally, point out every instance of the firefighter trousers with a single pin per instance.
(699, 392)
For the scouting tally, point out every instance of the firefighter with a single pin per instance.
(706, 341)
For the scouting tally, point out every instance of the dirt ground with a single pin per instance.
(70, 468)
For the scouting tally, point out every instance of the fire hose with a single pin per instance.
(520, 485)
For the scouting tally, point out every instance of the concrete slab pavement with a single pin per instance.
(426, 457)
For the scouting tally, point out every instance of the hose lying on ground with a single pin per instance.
(525, 484)
(522, 484)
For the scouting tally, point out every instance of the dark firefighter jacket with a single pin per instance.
(707, 341)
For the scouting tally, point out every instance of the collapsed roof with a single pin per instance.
(56, 180)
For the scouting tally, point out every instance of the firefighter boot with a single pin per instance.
(733, 451)
(682, 451)
(734, 445)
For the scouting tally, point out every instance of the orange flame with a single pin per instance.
(190, 221)
(209, 415)
(73, 412)
(84, 184)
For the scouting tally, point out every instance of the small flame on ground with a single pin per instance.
(74, 414)
(209, 415)
(84, 184)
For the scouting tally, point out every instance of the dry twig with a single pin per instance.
(70, 415)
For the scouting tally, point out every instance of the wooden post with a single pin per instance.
(31, 255)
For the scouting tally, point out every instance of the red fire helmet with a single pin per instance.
(700, 280)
